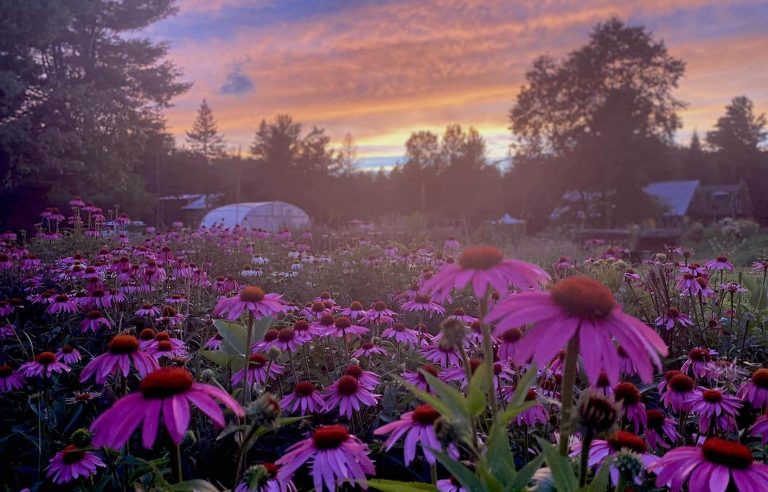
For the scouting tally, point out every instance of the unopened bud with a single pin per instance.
(454, 332)
(264, 411)
(82, 438)
(597, 414)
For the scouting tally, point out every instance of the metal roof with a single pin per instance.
(677, 196)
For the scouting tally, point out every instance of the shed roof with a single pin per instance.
(676, 195)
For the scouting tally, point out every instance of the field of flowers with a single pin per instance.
(250, 361)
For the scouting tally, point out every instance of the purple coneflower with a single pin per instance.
(214, 343)
(257, 370)
(337, 457)
(252, 300)
(369, 349)
(718, 264)
(699, 363)
(122, 352)
(484, 267)
(348, 394)
(69, 355)
(755, 391)
(418, 427)
(355, 311)
(81, 397)
(579, 306)
(9, 379)
(616, 442)
(673, 317)
(417, 379)
(263, 478)
(680, 393)
(304, 399)
(45, 364)
(342, 326)
(537, 414)
(509, 341)
(62, 303)
(661, 431)
(401, 333)
(632, 406)
(715, 409)
(380, 314)
(460, 315)
(714, 467)
(94, 321)
(168, 392)
(442, 354)
(760, 427)
(72, 463)
(423, 304)
(148, 311)
(366, 378)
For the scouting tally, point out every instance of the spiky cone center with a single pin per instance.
(628, 393)
(5, 370)
(94, 315)
(474, 363)
(325, 295)
(681, 383)
(168, 312)
(252, 294)
(699, 355)
(425, 415)
(670, 374)
(356, 306)
(712, 396)
(453, 332)
(72, 454)
(257, 360)
(354, 370)
(147, 307)
(301, 325)
(45, 358)
(347, 385)
(147, 334)
(655, 419)
(162, 336)
(67, 349)
(597, 413)
(326, 320)
(164, 346)
(480, 257)
(379, 306)
(513, 335)
(271, 469)
(721, 259)
(627, 440)
(760, 378)
(286, 335)
(165, 382)
(330, 436)
(61, 298)
(531, 395)
(327, 304)
(673, 313)
(729, 453)
(429, 369)
(342, 323)
(584, 298)
(318, 307)
(367, 346)
(399, 327)
(602, 381)
(271, 335)
(304, 388)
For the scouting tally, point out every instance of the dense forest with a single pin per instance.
(81, 113)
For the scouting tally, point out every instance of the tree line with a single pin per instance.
(81, 113)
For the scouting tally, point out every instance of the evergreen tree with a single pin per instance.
(204, 136)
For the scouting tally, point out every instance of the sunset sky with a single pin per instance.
(382, 69)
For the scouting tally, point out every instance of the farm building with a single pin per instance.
(270, 216)
(187, 208)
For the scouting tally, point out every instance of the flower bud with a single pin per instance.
(453, 332)
(81, 438)
(596, 414)
(264, 411)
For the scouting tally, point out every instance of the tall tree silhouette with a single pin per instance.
(204, 136)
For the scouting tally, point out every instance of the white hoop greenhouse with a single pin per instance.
(270, 216)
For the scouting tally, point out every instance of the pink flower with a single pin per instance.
(257, 370)
(632, 406)
(484, 267)
(303, 399)
(380, 314)
(252, 300)
(369, 349)
(660, 431)
(417, 378)
(719, 263)
(537, 414)
(715, 409)
(214, 343)
(602, 449)
(579, 306)
(337, 457)
(9, 379)
(712, 467)
(122, 351)
(68, 354)
(366, 378)
(755, 391)
(759, 428)
(166, 393)
(72, 463)
(270, 483)
(446, 356)
(62, 303)
(401, 333)
(287, 341)
(45, 364)
(418, 428)
(673, 317)
(342, 326)
(355, 311)
(94, 321)
(423, 304)
(348, 394)
(148, 311)
(680, 393)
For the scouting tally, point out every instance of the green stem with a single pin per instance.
(569, 380)
(248, 337)
(488, 351)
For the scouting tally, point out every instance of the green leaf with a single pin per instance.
(492, 484)
(524, 474)
(429, 398)
(464, 475)
(222, 359)
(562, 472)
(260, 328)
(498, 455)
(512, 411)
(451, 396)
(194, 486)
(600, 481)
(521, 391)
(233, 334)
(478, 388)
(397, 486)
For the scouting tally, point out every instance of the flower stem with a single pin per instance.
(585, 444)
(488, 354)
(569, 380)
(248, 337)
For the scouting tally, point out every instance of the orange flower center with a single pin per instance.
(356, 306)
(304, 388)
(348, 385)
(343, 322)
(425, 415)
(628, 393)
(729, 453)
(252, 294)
(712, 396)
(165, 382)
(257, 360)
(760, 378)
(513, 335)
(655, 419)
(681, 383)
(480, 257)
(45, 358)
(147, 334)
(286, 335)
(627, 440)
(330, 436)
(123, 344)
(72, 454)
(582, 297)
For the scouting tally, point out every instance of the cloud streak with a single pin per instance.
(379, 70)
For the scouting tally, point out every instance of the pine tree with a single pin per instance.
(204, 136)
